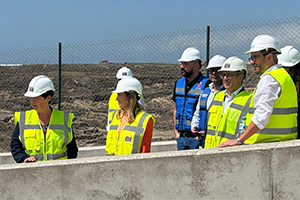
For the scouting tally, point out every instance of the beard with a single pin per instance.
(186, 74)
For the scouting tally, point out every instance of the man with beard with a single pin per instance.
(230, 105)
(199, 121)
(186, 93)
(273, 109)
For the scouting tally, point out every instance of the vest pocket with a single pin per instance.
(32, 140)
(57, 140)
(213, 119)
(126, 142)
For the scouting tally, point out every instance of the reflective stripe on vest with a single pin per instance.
(23, 127)
(50, 156)
(130, 138)
(137, 129)
(185, 103)
(280, 111)
(113, 106)
(243, 113)
(222, 127)
(283, 119)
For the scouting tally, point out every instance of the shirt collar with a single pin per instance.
(234, 93)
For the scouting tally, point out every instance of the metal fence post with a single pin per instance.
(207, 47)
(59, 75)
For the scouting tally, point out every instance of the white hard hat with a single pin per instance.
(38, 86)
(233, 64)
(129, 84)
(190, 54)
(289, 56)
(216, 61)
(124, 72)
(263, 42)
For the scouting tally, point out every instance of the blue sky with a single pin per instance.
(36, 23)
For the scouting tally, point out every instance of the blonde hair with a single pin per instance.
(133, 107)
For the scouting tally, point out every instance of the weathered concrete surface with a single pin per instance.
(85, 152)
(260, 171)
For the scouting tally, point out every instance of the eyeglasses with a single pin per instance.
(229, 75)
(253, 58)
(215, 69)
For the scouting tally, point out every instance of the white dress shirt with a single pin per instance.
(267, 92)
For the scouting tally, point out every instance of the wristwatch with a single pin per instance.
(239, 141)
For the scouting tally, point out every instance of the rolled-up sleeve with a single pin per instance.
(196, 116)
(267, 92)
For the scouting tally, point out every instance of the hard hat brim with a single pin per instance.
(214, 66)
(248, 52)
(229, 70)
(120, 91)
(186, 60)
(32, 94)
(287, 64)
(258, 50)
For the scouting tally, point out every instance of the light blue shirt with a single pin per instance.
(196, 116)
(229, 99)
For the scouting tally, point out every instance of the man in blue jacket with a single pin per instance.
(186, 94)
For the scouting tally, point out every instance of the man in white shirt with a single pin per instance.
(273, 109)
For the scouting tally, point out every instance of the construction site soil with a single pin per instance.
(85, 90)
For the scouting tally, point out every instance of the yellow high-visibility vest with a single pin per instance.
(49, 146)
(113, 106)
(221, 128)
(131, 136)
(283, 120)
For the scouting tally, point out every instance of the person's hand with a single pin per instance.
(30, 159)
(176, 134)
(201, 133)
(228, 143)
(195, 129)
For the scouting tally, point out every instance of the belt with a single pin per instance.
(187, 134)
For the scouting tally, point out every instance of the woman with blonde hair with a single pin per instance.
(131, 128)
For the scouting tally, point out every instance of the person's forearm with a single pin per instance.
(252, 128)
(174, 121)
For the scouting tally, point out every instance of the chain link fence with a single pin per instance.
(89, 70)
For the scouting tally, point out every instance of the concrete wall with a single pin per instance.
(260, 171)
(85, 152)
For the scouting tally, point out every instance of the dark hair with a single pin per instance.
(46, 94)
(200, 65)
(270, 51)
(244, 72)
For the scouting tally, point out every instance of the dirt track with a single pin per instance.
(85, 92)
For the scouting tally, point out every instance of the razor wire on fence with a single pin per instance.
(89, 70)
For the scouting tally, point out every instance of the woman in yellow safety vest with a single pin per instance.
(113, 104)
(42, 133)
(131, 128)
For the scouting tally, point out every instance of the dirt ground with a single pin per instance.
(85, 90)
